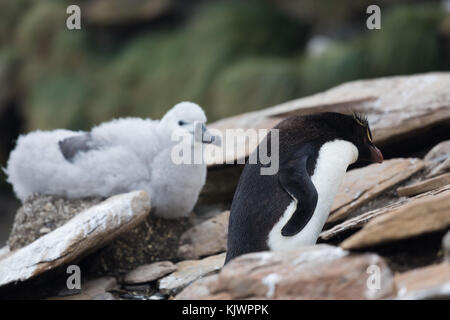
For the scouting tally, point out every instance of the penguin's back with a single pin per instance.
(251, 220)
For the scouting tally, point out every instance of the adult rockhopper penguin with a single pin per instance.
(288, 209)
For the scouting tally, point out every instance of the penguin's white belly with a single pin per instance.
(333, 159)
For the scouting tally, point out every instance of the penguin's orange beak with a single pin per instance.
(375, 154)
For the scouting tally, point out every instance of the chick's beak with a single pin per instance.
(207, 137)
(375, 154)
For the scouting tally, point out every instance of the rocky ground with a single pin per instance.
(387, 236)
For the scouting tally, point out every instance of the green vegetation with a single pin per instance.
(409, 42)
(229, 56)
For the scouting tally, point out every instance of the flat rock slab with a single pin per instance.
(189, 271)
(441, 168)
(316, 272)
(104, 296)
(362, 185)
(424, 186)
(150, 272)
(396, 106)
(206, 238)
(446, 246)
(439, 152)
(422, 215)
(82, 234)
(359, 221)
(431, 282)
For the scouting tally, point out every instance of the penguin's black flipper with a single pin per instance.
(296, 181)
(71, 146)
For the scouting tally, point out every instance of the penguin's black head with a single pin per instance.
(357, 131)
(353, 128)
(328, 126)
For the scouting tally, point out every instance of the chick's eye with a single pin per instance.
(181, 123)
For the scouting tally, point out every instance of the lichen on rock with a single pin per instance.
(41, 214)
(155, 239)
